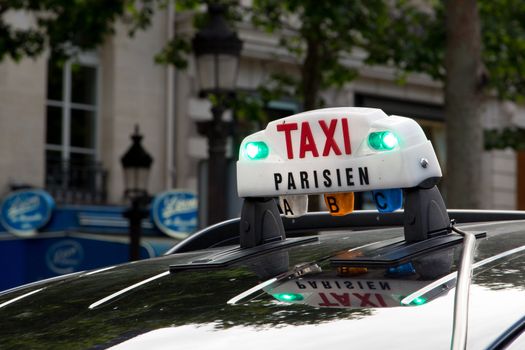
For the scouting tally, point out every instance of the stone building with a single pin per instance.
(64, 128)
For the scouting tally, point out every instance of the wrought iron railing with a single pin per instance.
(71, 183)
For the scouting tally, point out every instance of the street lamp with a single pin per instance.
(136, 164)
(217, 50)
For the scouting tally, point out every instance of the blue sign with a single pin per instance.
(36, 258)
(24, 212)
(64, 256)
(175, 213)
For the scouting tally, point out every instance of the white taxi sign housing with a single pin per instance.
(331, 150)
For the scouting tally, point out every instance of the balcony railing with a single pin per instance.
(71, 183)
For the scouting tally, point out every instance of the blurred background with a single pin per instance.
(120, 120)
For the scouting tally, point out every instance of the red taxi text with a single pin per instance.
(352, 299)
(308, 143)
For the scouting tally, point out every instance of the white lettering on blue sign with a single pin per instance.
(64, 256)
(175, 213)
(173, 205)
(24, 212)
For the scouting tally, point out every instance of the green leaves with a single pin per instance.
(415, 42)
(505, 138)
(19, 43)
(411, 39)
(62, 25)
(320, 35)
(503, 29)
(175, 52)
(252, 106)
(138, 14)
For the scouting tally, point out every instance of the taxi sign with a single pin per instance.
(329, 292)
(333, 150)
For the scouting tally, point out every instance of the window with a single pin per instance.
(71, 129)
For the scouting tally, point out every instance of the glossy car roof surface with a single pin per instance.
(142, 305)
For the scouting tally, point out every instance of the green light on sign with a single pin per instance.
(418, 301)
(256, 150)
(383, 140)
(288, 297)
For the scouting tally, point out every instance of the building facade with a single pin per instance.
(65, 127)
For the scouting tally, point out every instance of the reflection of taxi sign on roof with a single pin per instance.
(346, 293)
(335, 150)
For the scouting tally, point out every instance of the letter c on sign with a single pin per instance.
(380, 204)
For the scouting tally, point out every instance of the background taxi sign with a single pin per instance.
(335, 150)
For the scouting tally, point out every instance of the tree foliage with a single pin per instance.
(414, 41)
(480, 53)
(62, 25)
(505, 138)
(320, 36)
(503, 35)
(417, 43)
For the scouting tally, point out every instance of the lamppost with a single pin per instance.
(217, 49)
(136, 164)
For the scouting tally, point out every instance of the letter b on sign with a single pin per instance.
(339, 204)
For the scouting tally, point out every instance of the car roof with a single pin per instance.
(147, 303)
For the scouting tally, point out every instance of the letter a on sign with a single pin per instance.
(339, 204)
(293, 206)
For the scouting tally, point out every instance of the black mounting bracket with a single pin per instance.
(425, 214)
(260, 222)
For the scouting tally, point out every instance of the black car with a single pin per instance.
(421, 278)
(304, 296)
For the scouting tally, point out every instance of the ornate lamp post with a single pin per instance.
(136, 164)
(217, 49)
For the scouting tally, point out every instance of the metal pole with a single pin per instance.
(461, 298)
(217, 167)
(134, 215)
